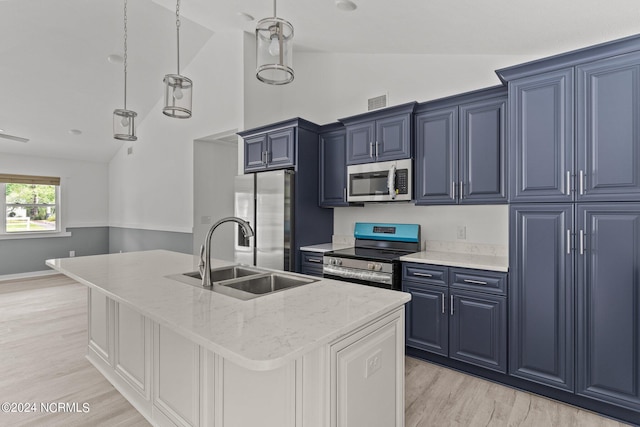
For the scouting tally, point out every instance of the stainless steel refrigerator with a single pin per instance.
(265, 200)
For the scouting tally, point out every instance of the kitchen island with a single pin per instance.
(325, 353)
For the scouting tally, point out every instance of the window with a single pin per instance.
(30, 204)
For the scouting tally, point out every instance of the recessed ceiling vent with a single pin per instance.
(377, 102)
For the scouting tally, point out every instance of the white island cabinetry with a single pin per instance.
(180, 368)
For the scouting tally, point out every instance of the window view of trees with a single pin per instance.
(30, 207)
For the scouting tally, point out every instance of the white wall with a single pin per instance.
(84, 186)
(153, 187)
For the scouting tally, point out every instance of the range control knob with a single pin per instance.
(338, 262)
(377, 267)
(370, 266)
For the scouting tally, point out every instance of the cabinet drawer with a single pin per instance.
(425, 273)
(312, 259)
(477, 280)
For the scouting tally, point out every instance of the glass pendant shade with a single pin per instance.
(124, 125)
(273, 51)
(177, 96)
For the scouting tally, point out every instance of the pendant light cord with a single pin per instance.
(125, 54)
(178, 32)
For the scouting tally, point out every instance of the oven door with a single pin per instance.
(362, 277)
(379, 182)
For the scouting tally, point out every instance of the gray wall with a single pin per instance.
(26, 255)
(133, 239)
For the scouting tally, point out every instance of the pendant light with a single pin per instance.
(177, 88)
(124, 126)
(273, 50)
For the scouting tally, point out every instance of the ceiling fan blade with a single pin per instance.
(13, 138)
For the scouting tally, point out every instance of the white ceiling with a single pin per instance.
(56, 75)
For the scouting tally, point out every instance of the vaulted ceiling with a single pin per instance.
(56, 77)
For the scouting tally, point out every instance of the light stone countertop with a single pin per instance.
(325, 247)
(458, 259)
(260, 334)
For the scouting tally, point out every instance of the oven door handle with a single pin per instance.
(350, 273)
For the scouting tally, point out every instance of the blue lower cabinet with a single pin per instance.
(541, 296)
(609, 303)
(478, 329)
(427, 318)
(311, 263)
(456, 313)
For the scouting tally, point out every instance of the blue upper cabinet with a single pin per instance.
(574, 130)
(380, 135)
(541, 135)
(333, 166)
(275, 146)
(436, 174)
(608, 131)
(461, 149)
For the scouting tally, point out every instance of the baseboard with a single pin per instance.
(27, 275)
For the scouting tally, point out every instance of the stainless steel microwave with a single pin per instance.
(380, 182)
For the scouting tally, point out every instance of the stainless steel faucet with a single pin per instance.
(205, 250)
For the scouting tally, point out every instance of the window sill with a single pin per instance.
(35, 235)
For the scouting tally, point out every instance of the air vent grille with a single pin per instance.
(377, 102)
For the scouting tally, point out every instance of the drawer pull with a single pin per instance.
(475, 282)
(423, 274)
(318, 260)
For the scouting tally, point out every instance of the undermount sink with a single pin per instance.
(226, 273)
(243, 282)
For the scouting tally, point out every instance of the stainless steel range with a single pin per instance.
(375, 258)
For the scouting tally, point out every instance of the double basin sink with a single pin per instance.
(244, 282)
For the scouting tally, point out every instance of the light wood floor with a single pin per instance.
(43, 338)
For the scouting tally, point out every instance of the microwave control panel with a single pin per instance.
(402, 181)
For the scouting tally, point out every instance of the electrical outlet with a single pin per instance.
(461, 233)
(373, 364)
(72, 254)
(129, 150)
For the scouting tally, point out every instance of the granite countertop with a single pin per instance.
(260, 334)
(458, 259)
(325, 247)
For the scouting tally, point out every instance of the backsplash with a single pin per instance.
(466, 248)
(486, 227)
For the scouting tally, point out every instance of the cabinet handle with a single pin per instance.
(371, 150)
(453, 190)
(344, 194)
(264, 157)
(582, 182)
(568, 183)
(443, 298)
(422, 274)
(568, 242)
(318, 260)
(452, 305)
(581, 242)
(475, 282)
(376, 149)
(461, 195)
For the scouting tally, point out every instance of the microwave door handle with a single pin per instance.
(391, 182)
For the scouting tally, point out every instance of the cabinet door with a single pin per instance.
(541, 137)
(393, 138)
(541, 295)
(427, 324)
(132, 349)
(482, 152)
(609, 303)
(254, 149)
(100, 325)
(176, 377)
(437, 156)
(333, 169)
(360, 140)
(608, 132)
(281, 149)
(478, 329)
